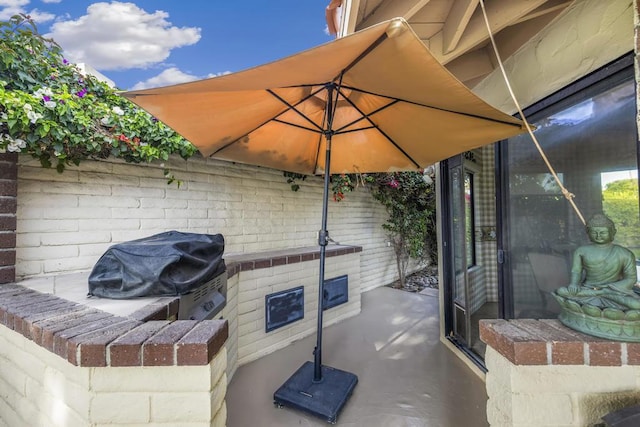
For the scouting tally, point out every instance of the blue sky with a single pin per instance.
(144, 43)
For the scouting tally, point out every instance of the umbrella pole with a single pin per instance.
(319, 390)
(323, 238)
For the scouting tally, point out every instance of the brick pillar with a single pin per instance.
(8, 207)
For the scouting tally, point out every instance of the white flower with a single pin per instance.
(50, 104)
(44, 91)
(105, 121)
(27, 107)
(16, 145)
(118, 111)
(33, 116)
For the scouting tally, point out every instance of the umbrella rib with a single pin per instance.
(366, 117)
(476, 116)
(290, 107)
(319, 131)
(293, 108)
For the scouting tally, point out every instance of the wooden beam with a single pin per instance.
(456, 22)
(349, 17)
(472, 65)
(501, 14)
(549, 7)
(393, 9)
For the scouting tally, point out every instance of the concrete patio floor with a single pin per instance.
(407, 377)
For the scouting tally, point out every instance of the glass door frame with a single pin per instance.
(448, 259)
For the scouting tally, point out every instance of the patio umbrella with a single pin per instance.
(373, 101)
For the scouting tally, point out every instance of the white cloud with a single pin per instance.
(172, 76)
(223, 73)
(169, 76)
(13, 3)
(117, 36)
(8, 8)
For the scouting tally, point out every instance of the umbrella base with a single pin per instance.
(324, 398)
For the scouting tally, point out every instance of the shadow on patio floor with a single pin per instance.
(407, 378)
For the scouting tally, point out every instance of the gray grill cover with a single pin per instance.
(165, 264)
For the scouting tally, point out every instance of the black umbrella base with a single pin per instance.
(324, 398)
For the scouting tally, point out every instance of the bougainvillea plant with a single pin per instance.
(52, 111)
(410, 201)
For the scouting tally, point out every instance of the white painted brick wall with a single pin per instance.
(555, 395)
(66, 221)
(40, 389)
(253, 342)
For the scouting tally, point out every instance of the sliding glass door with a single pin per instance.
(588, 132)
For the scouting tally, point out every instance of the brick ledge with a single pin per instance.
(268, 259)
(549, 342)
(89, 337)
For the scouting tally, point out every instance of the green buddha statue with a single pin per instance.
(603, 274)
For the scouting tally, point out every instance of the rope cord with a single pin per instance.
(567, 194)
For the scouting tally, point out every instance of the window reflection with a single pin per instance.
(470, 243)
(590, 140)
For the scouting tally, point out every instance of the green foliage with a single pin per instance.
(409, 198)
(410, 201)
(291, 179)
(620, 203)
(346, 183)
(53, 112)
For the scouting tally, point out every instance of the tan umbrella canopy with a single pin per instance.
(396, 108)
(374, 101)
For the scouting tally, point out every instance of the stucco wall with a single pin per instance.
(588, 35)
(40, 389)
(66, 221)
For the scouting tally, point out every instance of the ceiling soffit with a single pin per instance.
(455, 31)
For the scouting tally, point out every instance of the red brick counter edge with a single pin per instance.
(549, 342)
(93, 338)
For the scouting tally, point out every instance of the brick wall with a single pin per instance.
(63, 364)
(542, 373)
(38, 388)
(8, 204)
(66, 221)
(253, 285)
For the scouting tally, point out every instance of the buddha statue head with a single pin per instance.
(600, 229)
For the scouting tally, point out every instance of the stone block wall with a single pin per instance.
(65, 222)
(541, 373)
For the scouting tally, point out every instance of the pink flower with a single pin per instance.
(394, 184)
